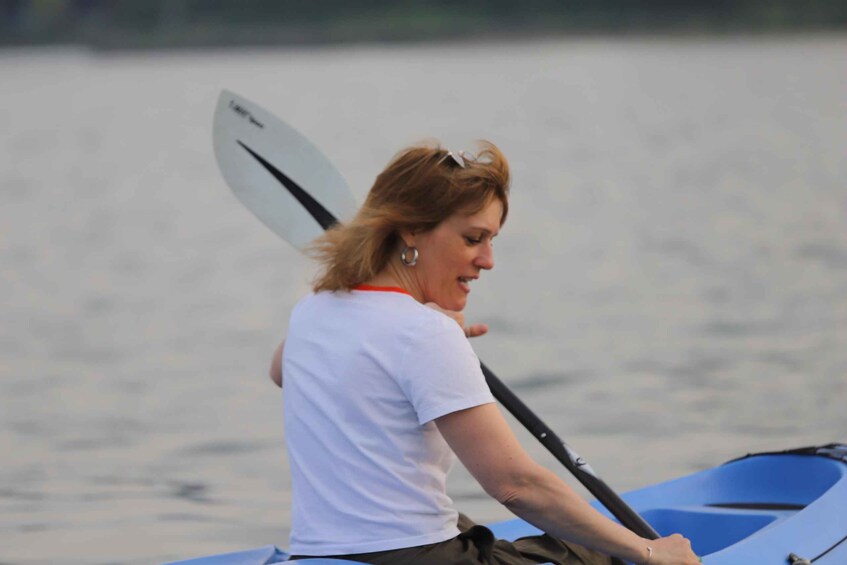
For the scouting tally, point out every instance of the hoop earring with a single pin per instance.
(404, 256)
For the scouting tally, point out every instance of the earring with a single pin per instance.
(404, 256)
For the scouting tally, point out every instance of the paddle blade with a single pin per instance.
(277, 173)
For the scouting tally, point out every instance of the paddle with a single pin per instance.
(293, 188)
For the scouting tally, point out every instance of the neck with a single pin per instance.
(396, 274)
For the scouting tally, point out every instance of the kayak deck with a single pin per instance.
(759, 509)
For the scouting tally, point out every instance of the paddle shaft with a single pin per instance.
(567, 457)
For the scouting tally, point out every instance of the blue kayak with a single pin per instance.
(768, 508)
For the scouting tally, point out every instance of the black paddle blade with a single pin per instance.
(318, 212)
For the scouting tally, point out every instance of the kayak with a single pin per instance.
(765, 508)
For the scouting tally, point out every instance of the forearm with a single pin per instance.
(482, 439)
(551, 505)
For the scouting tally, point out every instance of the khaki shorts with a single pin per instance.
(476, 545)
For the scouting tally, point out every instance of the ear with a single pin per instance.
(407, 237)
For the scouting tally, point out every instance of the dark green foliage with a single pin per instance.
(170, 23)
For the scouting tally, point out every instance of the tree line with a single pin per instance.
(174, 23)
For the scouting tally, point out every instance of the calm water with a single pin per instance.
(670, 290)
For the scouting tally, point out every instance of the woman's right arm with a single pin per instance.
(276, 365)
(486, 445)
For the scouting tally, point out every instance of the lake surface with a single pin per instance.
(670, 289)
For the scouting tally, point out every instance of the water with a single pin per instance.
(670, 290)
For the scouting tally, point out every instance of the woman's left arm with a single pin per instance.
(276, 365)
(485, 444)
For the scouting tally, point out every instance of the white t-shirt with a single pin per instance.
(366, 373)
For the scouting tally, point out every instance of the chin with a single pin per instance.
(459, 305)
(452, 305)
(456, 303)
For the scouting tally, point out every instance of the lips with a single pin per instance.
(464, 283)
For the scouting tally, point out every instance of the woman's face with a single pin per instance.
(454, 253)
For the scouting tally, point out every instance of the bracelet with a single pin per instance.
(649, 555)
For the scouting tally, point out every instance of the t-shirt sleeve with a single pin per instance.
(441, 373)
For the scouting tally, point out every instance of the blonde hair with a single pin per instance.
(420, 188)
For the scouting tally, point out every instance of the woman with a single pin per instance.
(382, 388)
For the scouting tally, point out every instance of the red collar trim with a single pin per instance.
(370, 287)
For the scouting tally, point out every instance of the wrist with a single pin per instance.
(640, 552)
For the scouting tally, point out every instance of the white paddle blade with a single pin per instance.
(277, 173)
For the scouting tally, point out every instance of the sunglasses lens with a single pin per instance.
(458, 158)
(461, 158)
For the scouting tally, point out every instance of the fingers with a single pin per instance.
(473, 330)
(673, 550)
(476, 330)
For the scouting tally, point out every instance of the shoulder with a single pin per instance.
(305, 303)
(392, 315)
(405, 312)
(424, 322)
(322, 299)
(315, 307)
(429, 333)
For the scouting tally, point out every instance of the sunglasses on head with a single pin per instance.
(460, 158)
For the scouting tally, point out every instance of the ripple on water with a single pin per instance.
(187, 517)
(21, 495)
(117, 433)
(783, 360)
(827, 254)
(696, 369)
(28, 428)
(193, 491)
(548, 381)
(735, 329)
(216, 448)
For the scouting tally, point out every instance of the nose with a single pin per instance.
(485, 258)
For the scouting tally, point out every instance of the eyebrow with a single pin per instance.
(486, 231)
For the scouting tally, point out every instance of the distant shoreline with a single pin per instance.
(281, 38)
(178, 24)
